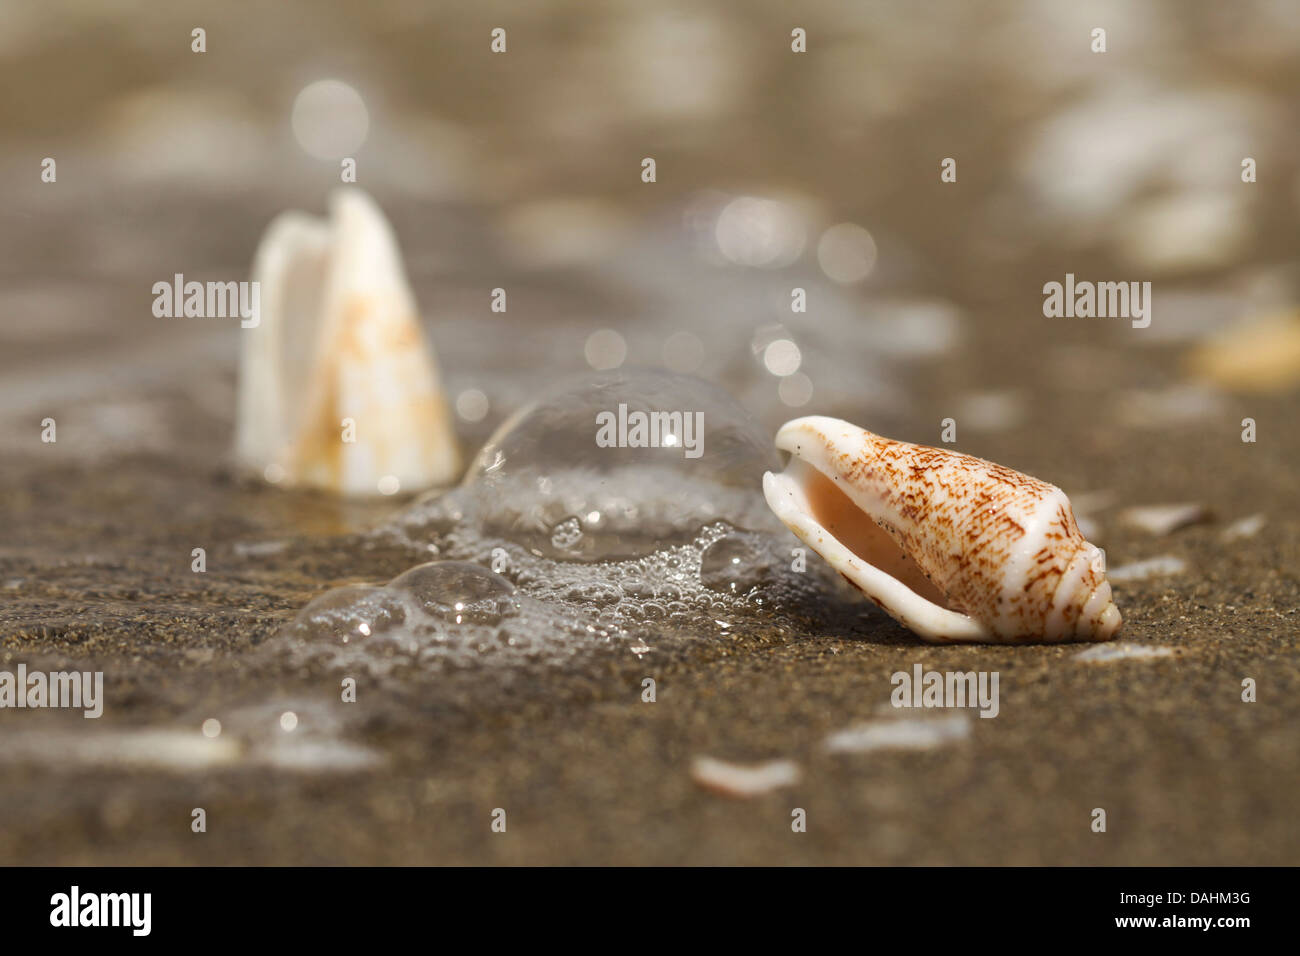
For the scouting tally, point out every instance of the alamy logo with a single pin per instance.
(208, 300)
(1102, 300)
(684, 430)
(103, 909)
(75, 689)
(946, 689)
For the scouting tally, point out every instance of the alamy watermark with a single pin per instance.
(946, 689)
(75, 689)
(1102, 300)
(208, 300)
(74, 908)
(638, 429)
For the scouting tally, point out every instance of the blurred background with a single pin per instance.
(775, 170)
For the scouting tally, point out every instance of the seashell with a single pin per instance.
(955, 548)
(735, 780)
(1164, 565)
(340, 338)
(1165, 519)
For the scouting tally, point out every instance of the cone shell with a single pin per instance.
(953, 547)
(340, 338)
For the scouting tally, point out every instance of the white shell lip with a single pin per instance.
(340, 338)
(822, 447)
(786, 497)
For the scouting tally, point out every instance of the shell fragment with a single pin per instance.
(338, 387)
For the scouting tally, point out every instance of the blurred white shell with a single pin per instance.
(339, 338)
(953, 547)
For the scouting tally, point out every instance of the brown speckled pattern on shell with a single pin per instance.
(999, 544)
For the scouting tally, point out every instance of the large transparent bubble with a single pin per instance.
(619, 465)
(457, 591)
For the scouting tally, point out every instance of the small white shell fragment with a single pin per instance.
(143, 748)
(734, 780)
(1245, 527)
(338, 386)
(181, 751)
(259, 549)
(1123, 651)
(909, 733)
(1164, 519)
(1165, 565)
(954, 548)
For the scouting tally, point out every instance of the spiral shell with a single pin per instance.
(955, 548)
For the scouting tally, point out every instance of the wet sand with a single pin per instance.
(99, 578)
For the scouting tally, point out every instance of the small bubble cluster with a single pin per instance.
(435, 614)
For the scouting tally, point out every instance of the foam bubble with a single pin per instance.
(457, 591)
(548, 481)
(555, 546)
